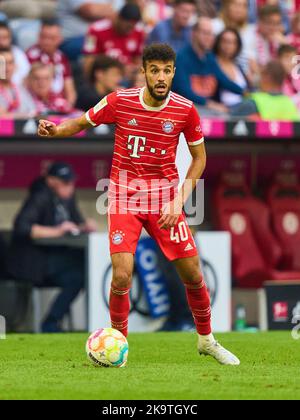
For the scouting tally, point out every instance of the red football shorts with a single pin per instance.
(125, 231)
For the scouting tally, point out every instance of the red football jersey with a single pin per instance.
(146, 141)
(103, 39)
(60, 63)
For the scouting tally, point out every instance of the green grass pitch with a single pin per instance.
(160, 366)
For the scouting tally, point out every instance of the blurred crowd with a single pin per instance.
(235, 58)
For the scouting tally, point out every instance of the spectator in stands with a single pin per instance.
(15, 102)
(76, 16)
(22, 65)
(227, 48)
(270, 34)
(50, 211)
(234, 14)
(175, 31)
(106, 76)
(47, 52)
(208, 8)
(121, 38)
(138, 80)
(270, 103)
(154, 11)
(24, 17)
(294, 37)
(283, 5)
(291, 86)
(39, 83)
(198, 76)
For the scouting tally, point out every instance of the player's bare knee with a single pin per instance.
(191, 273)
(122, 278)
(194, 278)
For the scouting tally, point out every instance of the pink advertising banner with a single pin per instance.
(213, 128)
(7, 127)
(274, 129)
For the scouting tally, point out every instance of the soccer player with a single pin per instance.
(148, 122)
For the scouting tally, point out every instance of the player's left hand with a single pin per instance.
(170, 214)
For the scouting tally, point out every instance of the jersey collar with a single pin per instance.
(151, 108)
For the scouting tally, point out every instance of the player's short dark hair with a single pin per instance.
(268, 10)
(103, 62)
(286, 49)
(275, 72)
(217, 46)
(158, 52)
(178, 2)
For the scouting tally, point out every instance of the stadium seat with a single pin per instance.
(231, 214)
(283, 197)
(256, 251)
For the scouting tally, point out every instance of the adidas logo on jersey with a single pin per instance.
(132, 122)
(189, 247)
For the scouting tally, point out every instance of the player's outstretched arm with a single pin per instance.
(66, 129)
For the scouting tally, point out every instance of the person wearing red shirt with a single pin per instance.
(270, 34)
(47, 52)
(291, 86)
(294, 37)
(121, 38)
(149, 121)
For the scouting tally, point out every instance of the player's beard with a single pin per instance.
(155, 95)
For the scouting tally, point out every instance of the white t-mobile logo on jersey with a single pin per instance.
(136, 147)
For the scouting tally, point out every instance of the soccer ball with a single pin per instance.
(107, 347)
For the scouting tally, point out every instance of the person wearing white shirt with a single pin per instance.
(234, 14)
(22, 65)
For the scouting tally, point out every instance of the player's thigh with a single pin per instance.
(175, 243)
(124, 232)
(122, 264)
(189, 269)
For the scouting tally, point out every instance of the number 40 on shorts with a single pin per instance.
(179, 233)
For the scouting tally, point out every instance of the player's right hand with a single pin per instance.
(47, 129)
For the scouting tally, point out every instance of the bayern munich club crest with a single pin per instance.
(168, 127)
(117, 237)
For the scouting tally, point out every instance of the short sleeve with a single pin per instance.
(104, 112)
(193, 131)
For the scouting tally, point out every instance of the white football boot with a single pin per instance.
(208, 346)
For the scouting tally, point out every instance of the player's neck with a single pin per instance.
(150, 101)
